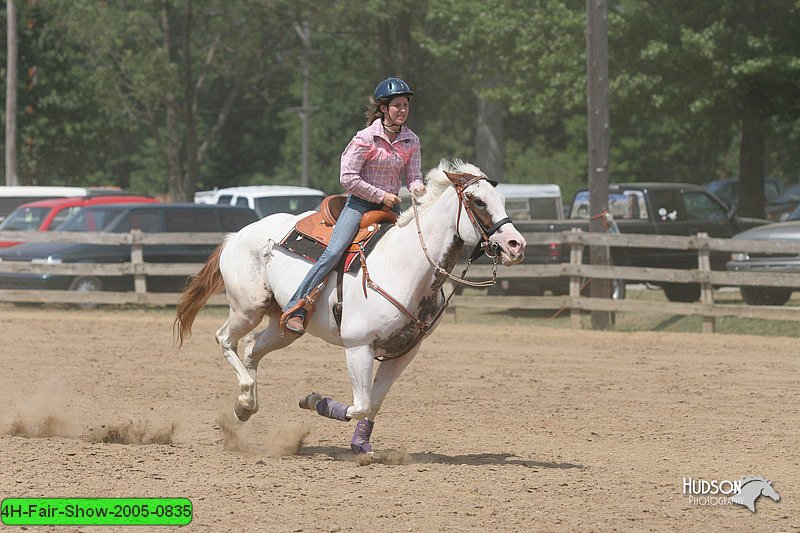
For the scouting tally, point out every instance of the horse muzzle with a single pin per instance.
(511, 245)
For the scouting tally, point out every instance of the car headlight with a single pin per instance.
(740, 256)
(48, 261)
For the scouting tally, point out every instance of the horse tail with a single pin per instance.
(201, 287)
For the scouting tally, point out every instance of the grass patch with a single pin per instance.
(639, 321)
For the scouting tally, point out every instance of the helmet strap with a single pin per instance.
(388, 129)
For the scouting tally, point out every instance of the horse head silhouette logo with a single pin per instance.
(752, 488)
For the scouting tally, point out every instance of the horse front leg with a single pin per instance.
(359, 367)
(387, 374)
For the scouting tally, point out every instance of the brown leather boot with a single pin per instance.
(295, 324)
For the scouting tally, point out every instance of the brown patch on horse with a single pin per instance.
(449, 261)
(403, 339)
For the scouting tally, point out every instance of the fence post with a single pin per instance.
(137, 260)
(706, 288)
(575, 259)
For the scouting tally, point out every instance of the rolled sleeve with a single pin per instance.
(414, 168)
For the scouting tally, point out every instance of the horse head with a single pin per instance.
(768, 491)
(482, 213)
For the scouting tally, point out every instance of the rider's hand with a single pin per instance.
(418, 191)
(390, 200)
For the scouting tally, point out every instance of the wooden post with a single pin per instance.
(706, 288)
(599, 139)
(575, 259)
(137, 260)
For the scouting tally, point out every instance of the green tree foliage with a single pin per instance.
(701, 73)
(169, 95)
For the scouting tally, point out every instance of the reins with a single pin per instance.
(485, 246)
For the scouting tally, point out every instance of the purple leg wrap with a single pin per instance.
(360, 441)
(332, 409)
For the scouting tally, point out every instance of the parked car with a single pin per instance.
(779, 208)
(265, 199)
(727, 189)
(643, 208)
(767, 263)
(121, 218)
(13, 196)
(45, 215)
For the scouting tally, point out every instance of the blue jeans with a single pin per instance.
(344, 231)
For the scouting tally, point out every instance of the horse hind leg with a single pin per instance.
(256, 346)
(228, 335)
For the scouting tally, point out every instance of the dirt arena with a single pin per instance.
(492, 428)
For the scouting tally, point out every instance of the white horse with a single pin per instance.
(409, 264)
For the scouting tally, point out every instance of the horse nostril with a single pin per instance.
(514, 245)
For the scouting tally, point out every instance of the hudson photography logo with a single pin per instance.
(744, 491)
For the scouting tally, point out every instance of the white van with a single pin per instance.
(532, 201)
(12, 196)
(265, 199)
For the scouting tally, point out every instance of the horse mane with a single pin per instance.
(436, 182)
(745, 480)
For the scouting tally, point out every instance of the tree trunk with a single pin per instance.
(489, 139)
(395, 42)
(11, 95)
(172, 153)
(190, 175)
(752, 164)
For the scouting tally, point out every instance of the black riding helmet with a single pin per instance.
(391, 87)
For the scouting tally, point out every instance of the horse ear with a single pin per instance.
(455, 179)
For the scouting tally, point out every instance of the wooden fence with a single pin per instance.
(576, 270)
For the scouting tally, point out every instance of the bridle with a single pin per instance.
(461, 182)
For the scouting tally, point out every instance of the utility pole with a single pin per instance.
(599, 138)
(305, 111)
(11, 94)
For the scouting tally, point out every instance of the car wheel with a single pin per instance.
(86, 284)
(618, 290)
(682, 292)
(765, 295)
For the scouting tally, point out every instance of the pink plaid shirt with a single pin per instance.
(372, 165)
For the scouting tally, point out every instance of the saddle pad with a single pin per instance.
(311, 249)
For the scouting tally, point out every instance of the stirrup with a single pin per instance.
(294, 327)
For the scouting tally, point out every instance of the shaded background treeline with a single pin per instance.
(170, 96)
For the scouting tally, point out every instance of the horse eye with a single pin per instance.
(479, 202)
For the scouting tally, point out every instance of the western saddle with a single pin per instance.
(318, 228)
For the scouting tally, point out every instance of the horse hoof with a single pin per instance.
(310, 401)
(362, 449)
(241, 413)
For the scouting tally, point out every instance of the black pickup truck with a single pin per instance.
(643, 208)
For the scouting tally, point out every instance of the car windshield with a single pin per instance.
(295, 205)
(25, 219)
(791, 194)
(627, 204)
(89, 220)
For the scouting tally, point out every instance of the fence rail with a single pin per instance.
(575, 270)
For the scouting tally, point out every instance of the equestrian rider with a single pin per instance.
(372, 166)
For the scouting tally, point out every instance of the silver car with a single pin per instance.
(760, 262)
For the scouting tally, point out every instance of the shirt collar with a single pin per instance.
(377, 130)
